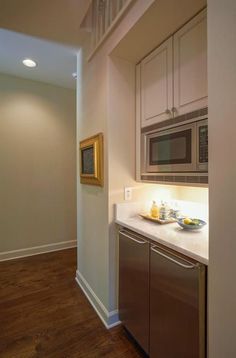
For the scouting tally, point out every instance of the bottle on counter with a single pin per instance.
(175, 210)
(164, 211)
(167, 207)
(154, 210)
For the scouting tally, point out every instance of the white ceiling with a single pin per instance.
(46, 31)
(56, 62)
(53, 20)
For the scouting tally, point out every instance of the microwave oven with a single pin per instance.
(180, 149)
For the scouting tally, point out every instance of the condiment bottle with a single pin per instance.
(154, 210)
(163, 212)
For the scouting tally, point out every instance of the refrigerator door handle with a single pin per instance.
(190, 266)
(139, 241)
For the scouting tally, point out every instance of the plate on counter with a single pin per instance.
(157, 221)
(194, 224)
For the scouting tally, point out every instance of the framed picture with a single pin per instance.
(91, 160)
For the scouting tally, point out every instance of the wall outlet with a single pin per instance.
(127, 193)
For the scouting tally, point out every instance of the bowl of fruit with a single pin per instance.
(191, 223)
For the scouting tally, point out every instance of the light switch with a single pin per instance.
(128, 193)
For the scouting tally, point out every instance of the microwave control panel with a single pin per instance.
(203, 144)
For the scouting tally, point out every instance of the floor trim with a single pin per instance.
(31, 251)
(109, 319)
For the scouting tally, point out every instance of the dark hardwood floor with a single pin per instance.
(43, 313)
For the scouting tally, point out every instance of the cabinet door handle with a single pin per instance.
(153, 248)
(174, 110)
(132, 238)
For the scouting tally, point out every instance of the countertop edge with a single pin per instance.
(181, 250)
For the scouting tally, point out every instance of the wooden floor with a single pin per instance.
(43, 313)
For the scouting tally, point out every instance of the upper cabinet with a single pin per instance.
(173, 78)
(190, 66)
(156, 84)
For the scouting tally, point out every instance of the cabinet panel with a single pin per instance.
(156, 85)
(190, 65)
(134, 286)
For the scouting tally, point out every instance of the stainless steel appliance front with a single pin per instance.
(182, 149)
(177, 305)
(134, 286)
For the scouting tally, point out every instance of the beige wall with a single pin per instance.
(222, 193)
(37, 161)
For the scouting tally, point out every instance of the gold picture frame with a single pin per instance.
(91, 160)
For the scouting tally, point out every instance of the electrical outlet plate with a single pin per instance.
(127, 193)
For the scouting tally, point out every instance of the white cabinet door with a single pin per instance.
(190, 65)
(156, 85)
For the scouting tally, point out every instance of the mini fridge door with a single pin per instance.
(134, 286)
(177, 306)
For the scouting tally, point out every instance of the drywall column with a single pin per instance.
(96, 267)
(92, 201)
(222, 147)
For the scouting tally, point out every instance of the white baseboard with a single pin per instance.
(36, 250)
(109, 319)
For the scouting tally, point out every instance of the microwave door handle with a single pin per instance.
(195, 146)
(146, 153)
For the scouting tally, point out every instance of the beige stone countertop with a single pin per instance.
(193, 244)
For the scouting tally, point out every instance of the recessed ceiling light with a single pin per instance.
(74, 75)
(29, 63)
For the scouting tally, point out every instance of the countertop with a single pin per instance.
(192, 244)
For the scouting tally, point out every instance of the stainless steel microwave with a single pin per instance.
(180, 149)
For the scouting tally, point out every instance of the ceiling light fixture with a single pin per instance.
(29, 63)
